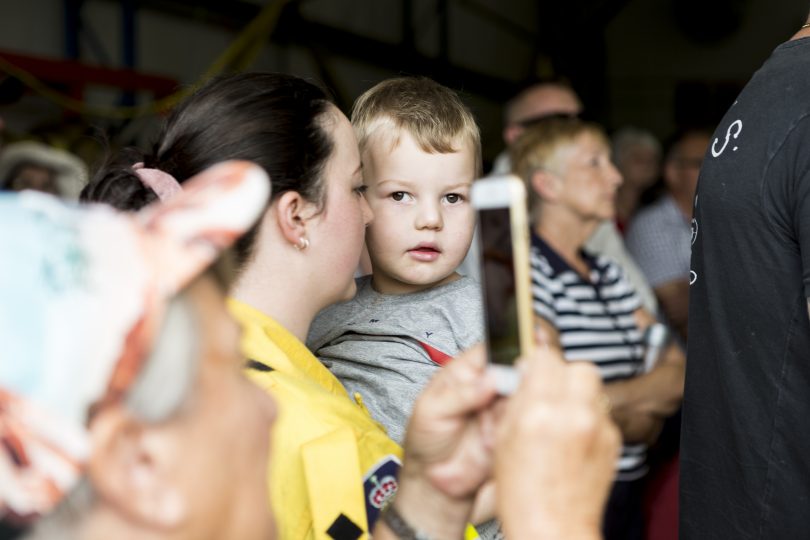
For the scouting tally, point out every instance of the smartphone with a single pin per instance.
(503, 234)
(656, 338)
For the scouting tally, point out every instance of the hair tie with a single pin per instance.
(162, 183)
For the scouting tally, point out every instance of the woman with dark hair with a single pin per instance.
(332, 462)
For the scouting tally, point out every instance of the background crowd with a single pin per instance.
(218, 335)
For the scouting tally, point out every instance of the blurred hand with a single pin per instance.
(448, 447)
(554, 446)
(555, 453)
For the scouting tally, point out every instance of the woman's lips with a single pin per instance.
(425, 252)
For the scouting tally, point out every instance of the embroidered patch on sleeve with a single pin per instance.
(380, 484)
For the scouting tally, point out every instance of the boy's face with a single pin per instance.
(423, 220)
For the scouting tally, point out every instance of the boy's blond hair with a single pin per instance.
(537, 148)
(431, 113)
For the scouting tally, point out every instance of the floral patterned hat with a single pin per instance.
(83, 292)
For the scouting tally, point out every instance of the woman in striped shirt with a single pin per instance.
(585, 304)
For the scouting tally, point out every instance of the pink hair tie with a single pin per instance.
(162, 183)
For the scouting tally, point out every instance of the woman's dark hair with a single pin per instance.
(273, 120)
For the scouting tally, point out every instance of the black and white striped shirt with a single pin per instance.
(595, 322)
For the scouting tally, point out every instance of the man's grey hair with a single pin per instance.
(630, 136)
(559, 83)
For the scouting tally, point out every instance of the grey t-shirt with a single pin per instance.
(387, 347)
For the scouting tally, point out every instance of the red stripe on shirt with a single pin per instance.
(435, 354)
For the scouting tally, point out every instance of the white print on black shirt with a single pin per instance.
(736, 128)
(733, 131)
(694, 230)
(692, 273)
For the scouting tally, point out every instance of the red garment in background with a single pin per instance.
(661, 502)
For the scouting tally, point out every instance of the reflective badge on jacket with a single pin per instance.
(380, 485)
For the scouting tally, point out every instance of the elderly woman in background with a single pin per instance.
(586, 305)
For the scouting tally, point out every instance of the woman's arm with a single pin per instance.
(660, 391)
(639, 404)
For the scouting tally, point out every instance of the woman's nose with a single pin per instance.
(614, 175)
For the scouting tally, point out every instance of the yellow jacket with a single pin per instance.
(332, 467)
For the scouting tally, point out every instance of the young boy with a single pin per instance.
(421, 150)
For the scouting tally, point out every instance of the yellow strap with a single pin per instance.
(471, 533)
(334, 482)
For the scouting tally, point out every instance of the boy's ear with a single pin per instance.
(131, 470)
(547, 185)
(294, 214)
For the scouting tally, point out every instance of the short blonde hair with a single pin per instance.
(432, 114)
(538, 146)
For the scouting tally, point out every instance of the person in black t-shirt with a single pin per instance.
(745, 452)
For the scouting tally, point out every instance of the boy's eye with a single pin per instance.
(453, 198)
(400, 196)
(361, 189)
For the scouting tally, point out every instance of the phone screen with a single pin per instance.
(498, 284)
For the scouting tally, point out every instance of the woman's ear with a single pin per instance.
(293, 214)
(131, 469)
(546, 185)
